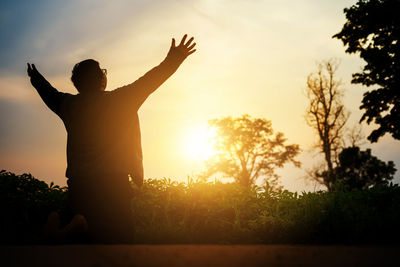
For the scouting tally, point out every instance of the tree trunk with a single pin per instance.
(328, 158)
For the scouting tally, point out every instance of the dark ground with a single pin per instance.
(198, 255)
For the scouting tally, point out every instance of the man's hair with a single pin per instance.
(87, 76)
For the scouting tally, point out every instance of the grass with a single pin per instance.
(168, 212)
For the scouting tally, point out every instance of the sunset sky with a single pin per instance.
(252, 57)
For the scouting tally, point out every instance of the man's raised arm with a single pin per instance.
(50, 96)
(137, 92)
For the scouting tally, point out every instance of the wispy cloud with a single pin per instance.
(253, 57)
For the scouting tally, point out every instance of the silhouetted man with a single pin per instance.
(104, 145)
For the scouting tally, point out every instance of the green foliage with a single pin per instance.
(25, 203)
(372, 29)
(197, 212)
(247, 149)
(358, 169)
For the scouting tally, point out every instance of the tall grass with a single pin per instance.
(196, 212)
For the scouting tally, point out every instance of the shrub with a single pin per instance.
(25, 203)
(197, 212)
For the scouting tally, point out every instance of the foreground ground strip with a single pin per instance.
(198, 255)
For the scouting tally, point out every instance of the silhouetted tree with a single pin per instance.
(359, 169)
(326, 114)
(355, 136)
(247, 149)
(373, 30)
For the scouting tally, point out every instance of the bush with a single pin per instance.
(25, 203)
(197, 212)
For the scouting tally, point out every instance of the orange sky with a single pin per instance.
(252, 57)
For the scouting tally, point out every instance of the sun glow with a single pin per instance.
(199, 143)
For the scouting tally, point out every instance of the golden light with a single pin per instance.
(198, 143)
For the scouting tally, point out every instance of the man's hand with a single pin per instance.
(50, 96)
(183, 50)
(32, 71)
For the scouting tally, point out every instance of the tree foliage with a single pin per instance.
(248, 149)
(372, 29)
(326, 114)
(359, 169)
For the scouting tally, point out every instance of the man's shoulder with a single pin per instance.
(86, 95)
(69, 95)
(89, 99)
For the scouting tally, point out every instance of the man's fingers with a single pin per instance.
(185, 48)
(190, 47)
(29, 70)
(191, 52)
(183, 40)
(190, 40)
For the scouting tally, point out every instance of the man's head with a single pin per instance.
(88, 77)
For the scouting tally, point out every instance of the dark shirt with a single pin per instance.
(103, 127)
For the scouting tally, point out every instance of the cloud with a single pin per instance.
(253, 57)
(53, 33)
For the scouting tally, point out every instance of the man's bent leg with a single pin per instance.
(105, 203)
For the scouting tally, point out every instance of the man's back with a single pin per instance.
(103, 136)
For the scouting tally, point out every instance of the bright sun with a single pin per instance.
(199, 143)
